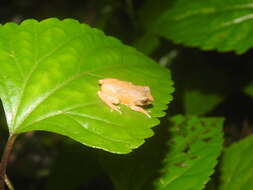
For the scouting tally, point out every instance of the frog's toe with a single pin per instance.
(140, 109)
(116, 108)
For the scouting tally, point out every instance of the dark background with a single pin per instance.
(37, 155)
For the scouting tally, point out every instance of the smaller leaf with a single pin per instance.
(198, 103)
(182, 157)
(194, 147)
(249, 89)
(236, 166)
(150, 11)
(209, 24)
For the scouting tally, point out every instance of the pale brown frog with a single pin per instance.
(114, 92)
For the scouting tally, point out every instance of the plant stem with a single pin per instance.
(5, 159)
(8, 183)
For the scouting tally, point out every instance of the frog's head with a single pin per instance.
(146, 98)
(143, 101)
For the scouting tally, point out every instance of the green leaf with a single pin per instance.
(236, 166)
(249, 89)
(49, 81)
(180, 156)
(147, 44)
(209, 24)
(150, 11)
(198, 103)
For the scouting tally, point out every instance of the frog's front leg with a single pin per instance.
(139, 109)
(110, 101)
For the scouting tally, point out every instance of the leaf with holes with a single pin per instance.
(49, 81)
(180, 156)
(209, 24)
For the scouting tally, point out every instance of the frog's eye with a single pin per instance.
(146, 89)
(144, 100)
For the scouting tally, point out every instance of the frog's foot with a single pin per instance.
(109, 101)
(116, 108)
(140, 109)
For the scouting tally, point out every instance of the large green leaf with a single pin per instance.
(209, 24)
(181, 157)
(49, 81)
(236, 166)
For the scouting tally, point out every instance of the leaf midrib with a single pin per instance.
(55, 113)
(212, 10)
(65, 83)
(67, 112)
(103, 137)
(165, 186)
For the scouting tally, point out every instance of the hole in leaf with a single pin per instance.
(203, 123)
(192, 128)
(193, 157)
(207, 139)
(186, 149)
(205, 131)
(180, 165)
(182, 133)
(172, 142)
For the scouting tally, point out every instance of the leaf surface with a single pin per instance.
(236, 166)
(180, 156)
(49, 81)
(249, 89)
(209, 24)
(198, 103)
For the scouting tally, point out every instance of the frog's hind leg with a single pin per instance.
(110, 101)
(140, 109)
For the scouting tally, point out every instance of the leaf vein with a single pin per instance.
(63, 84)
(58, 112)
(104, 137)
(92, 117)
(31, 72)
(213, 10)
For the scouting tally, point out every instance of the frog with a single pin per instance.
(114, 92)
